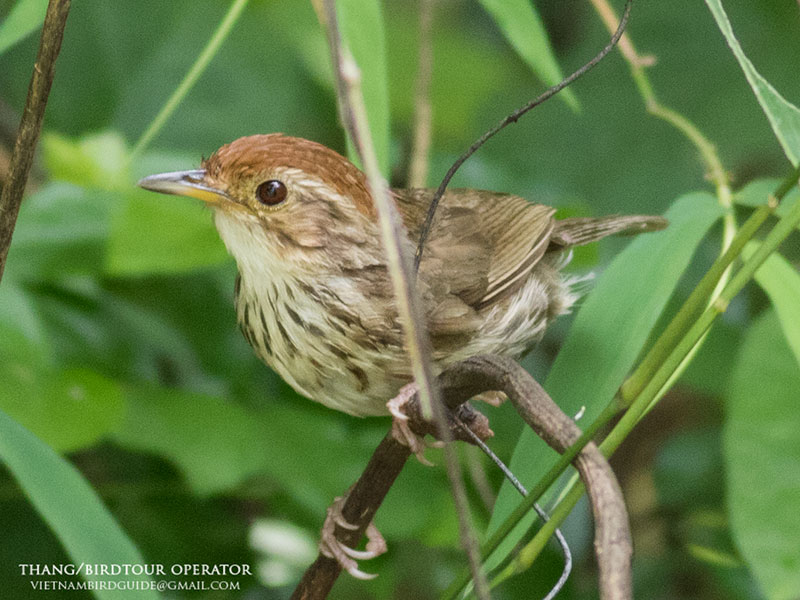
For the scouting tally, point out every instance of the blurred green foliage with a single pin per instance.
(118, 342)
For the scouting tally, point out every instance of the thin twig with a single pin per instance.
(458, 383)
(707, 150)
(354, 118)
(512, 118)
(191, 77)
(562, 541)
(360, 506)
(612, 533)
(31, 123)
(367, 494)
(625, 44)
(423, 114)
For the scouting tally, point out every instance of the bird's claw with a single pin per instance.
(400, 428)
(397, 404)
(331, 547)
(492, 398)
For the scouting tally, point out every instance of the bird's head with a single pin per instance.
(279, 198)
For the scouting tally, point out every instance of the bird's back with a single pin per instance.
(490, 272)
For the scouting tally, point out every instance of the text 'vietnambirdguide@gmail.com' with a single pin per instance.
(134, 576)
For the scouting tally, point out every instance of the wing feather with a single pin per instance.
(489, 248)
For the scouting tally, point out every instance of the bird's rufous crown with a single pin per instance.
(248, 156)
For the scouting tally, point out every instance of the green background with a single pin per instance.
(118, 342)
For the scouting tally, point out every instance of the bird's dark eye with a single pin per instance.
(271, 192)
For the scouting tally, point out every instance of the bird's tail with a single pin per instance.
(585, 230)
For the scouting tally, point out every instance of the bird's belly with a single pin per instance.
(330, 356)
(319, 357)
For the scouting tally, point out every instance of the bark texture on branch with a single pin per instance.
(613, 545)
(458, 383)
(367, 494)
(31, 124)
(360, 506)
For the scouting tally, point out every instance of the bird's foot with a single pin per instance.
(492, 398)
(331, 547)
(401, 431)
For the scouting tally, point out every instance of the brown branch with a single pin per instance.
(360, 506)
(458, 383)
(512, 118)
(610, 19)
(367, 494)
(31, 123)
(423, 114)
(354, 119)
(613, 545)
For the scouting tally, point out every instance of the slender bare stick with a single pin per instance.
(612, 533)
(458, 383)
(562, 541)
(512, 118)
(31, 124)
(625, 44)
(360, 506)
(423, 113)
(354, 117)
(366, 496)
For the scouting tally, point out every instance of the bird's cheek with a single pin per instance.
(295, 231)
(311, 237)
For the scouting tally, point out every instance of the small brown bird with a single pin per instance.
(314, 298)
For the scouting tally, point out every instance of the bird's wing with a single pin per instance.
(486, 250)
(578, 231)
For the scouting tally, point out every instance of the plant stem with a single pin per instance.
(645, 398)
(691, 308)
(637, 64)
(356, 124)
(30, 126)
(197, 69)
(423, 112)
(534, 495)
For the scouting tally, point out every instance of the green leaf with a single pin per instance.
(62, 230)
(363, 32)
(24, 19)
(781, 282)
(157, 234)
(757, 192)
(523, 28)
(68, 409)
(784, 117)
(95, 161)
(215, 443)
(762, 453)
(710, 371)
(85, 527)
(608, 334)
(218, 444)
(20, 325)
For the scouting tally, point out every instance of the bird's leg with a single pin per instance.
(492, 398)
(331, 547)
(400, 428)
